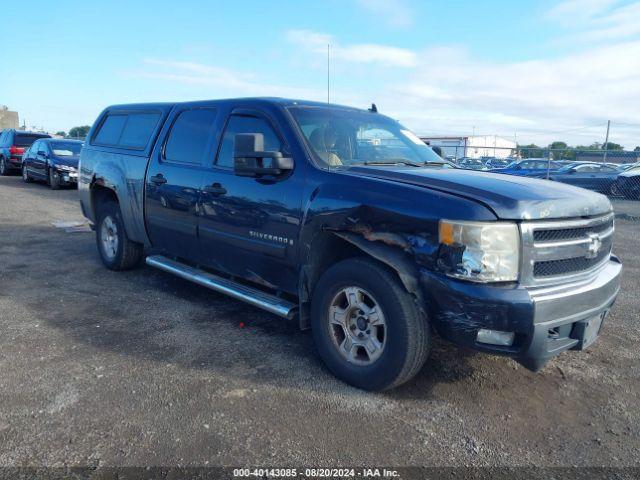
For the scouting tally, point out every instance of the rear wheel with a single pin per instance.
(116, 250)
(4, 169)
(25, 174)
(367, 327)
(614, 191)
(54, 180)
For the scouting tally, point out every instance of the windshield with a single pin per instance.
(25, 140)
(566, 168)
(66, 149)
(344, 137)
(472, 161)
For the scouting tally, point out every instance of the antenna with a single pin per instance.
(328, 70)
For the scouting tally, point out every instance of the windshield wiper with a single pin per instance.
(399, 161)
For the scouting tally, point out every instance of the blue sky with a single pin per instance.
(542, 70)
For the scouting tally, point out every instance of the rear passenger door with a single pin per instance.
(173, 181)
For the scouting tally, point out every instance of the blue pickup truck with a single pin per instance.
(345, 221)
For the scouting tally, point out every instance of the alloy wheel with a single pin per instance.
(109, 237)
(357, 326)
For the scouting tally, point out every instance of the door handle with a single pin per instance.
(158, 179)
(215, 189)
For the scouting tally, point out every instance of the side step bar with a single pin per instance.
(252, 296)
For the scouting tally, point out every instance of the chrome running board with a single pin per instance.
(246, 294)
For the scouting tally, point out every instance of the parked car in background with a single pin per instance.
(496, 163)
(623, 167)
(531, 167)
(471, 163)
(13, 143)
(52, 160)
(598, 177)
(628, 184)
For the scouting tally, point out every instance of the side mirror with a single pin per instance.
(250, 159)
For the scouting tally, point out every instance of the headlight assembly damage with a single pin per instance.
(480, 251)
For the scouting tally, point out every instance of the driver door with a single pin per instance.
(248, 227)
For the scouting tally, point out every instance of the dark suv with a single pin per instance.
(13, 143)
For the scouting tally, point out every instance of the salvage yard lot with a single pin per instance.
(141, 368)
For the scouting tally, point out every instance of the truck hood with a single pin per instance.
(509, 197)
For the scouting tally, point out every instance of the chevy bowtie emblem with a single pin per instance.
(594, 246)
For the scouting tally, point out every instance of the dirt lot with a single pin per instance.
(141, 368)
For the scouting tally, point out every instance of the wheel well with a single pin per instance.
(329, 248)
(326, 250)
(101, 194)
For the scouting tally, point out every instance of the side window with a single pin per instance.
(138, 130)
(110, 131)
(190, 136)
(245, 124)
(132, 130)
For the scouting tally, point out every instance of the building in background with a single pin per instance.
(8, 119)
(477, 146)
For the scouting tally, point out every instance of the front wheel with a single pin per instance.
(116, 250)
(25, 174)
(4, 170)
(54, 180)
(367, 328)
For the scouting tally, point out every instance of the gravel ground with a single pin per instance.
(140, 368)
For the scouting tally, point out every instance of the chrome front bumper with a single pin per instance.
(562, 314)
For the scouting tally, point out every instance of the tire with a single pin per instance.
(614, 190)
(25, 174)
(405, 340)
(116, 250)
(4, 170)
(54, 180)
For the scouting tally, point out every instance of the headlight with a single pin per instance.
(481, 251)
(65, 168)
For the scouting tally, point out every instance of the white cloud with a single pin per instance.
(572, 9)
(226, 81)
(597, 20)
(365, 53)
(394, 12)
(531, 97)
(446, 90)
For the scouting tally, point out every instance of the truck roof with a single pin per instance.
(284, 102)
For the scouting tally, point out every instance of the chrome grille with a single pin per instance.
(570, 233)
(555, 251)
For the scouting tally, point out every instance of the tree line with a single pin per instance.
(79, 133)
(563, 151)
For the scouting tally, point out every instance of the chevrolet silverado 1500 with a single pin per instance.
(343, 220)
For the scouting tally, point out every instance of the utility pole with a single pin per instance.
(606, 142)
(328, 59)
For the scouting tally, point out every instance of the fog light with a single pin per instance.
(495, 337)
